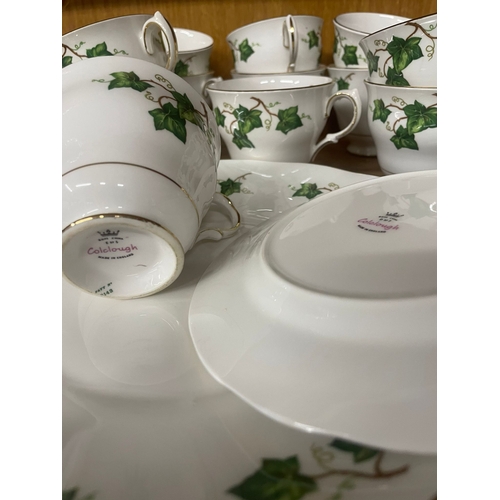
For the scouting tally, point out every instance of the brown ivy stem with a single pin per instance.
(164, 97)
(418, 27)
(378, 474)
(394, 106)
(265, 107)
(396, 122)
(156, 83)
(242, 176)
(66, 47)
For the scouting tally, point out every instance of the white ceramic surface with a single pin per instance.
(278, 45)
(325, 319)
(360, 141)
(350, 28)
(195, 49)
(405, 54)
(200, 82)
(403, 124)
(132, 133)
(276, 117)
(319, 71)
(140, 36)
(143, 419)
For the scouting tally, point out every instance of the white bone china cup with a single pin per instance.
(194, 50)
(140, 36)
(140, 156)
(276, 117)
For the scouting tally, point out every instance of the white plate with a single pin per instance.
(325, 318)
(142, 418)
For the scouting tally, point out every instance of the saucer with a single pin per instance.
(325, 318)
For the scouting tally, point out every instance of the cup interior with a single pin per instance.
(367, 22)
(190, 40)
(269, 83)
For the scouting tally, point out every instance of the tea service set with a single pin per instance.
(306, 293)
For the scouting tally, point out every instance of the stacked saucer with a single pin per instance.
(350, 69)
(281, 45)
(401, 86)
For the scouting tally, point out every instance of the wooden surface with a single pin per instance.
(218, 18)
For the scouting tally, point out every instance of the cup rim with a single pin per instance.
(207, 47)
(321, 81)
(102, 21)
(408, 87)
(360, 70)
(371, 14)
(370, 36)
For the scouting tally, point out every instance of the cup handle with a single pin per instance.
(290, 41)
(208, 82)
(168, 38)
(353, 97)
(217, 233)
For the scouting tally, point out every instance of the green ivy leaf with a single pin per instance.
(247, 119)
(241, 140)
(69, 494)
(380, 112)
(396, 79)
(228, 187)
(219, 117)
(186, 108)
(342, 84)
(168, 118)
(403, 51)
(289, 119)
(123, 79)
(350, 56)
(99, 50)
(372, 62)
(308, 190)
(181, 68)
(276, 480)
(245, 50)
(335, 44)
(359, 453)
(313, 39)
(66, 61)
(403, 139)
(419, 117)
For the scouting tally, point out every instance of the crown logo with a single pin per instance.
(109, 233)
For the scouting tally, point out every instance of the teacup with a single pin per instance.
(140, 156)
(319, 71)
(279, 45)
(403, 124)
(405, 54)
(350, 28)
(200, 82)
(140, 36)
(276, 117)
(194, 53)
(360, 141)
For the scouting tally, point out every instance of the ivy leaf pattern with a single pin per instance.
(420, 117)
(122, 79)
(342, 84)
(372, 62)
(228, 187)
(219, 117)
(380, 112)
(186, 108)
(350, 56)
(245, 50)
(276, 480)
(241, 140)
(313, 39)
(403, 51)
(99, 50)
(247, 119)
(168, 118)
(288, 119)
(181, 68)
(359, 453)
(66, 61)
(396, 79)
(309, 190)
(403, 139)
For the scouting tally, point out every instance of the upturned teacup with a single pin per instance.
(403, 124)
(359, 141)
(279, 45)
(194, 50)
(350, 28)
(278, 118)
(146, 37)
(403, 55)
(140, 155)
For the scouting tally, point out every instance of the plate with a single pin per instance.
(142, 418)
(325, 318)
